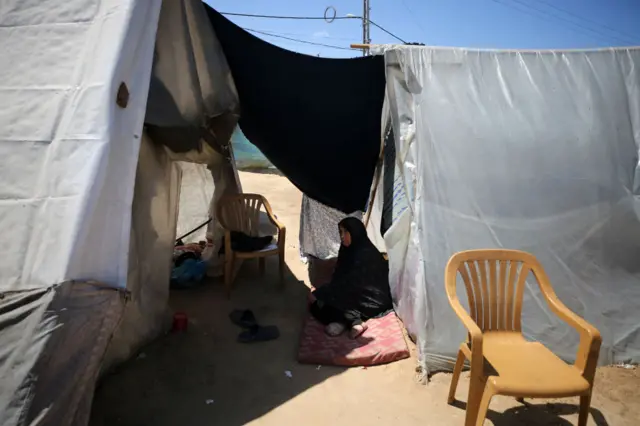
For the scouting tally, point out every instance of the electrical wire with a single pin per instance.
(603, 36)
(305, 35)
(298, 40)
(587, 20)
(388, 32)
(413, 17)
(544, 14)
(250, 15)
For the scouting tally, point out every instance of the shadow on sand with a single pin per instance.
(203, 376)
(537, 414)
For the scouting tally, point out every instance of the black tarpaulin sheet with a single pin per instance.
(316, 119)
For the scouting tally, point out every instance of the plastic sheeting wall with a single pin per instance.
(535, 151)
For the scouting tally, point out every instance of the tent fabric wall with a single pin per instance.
(70, 152)
(72, 160)
(53, 342)
(192, 97)
(153, 234)
(24, 332)
(84, 316)
(535, 151)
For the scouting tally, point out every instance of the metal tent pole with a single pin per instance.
(366, 37)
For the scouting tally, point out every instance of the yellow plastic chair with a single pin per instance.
(502, 361)
(241, 213)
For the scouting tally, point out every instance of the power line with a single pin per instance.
(591, 21)
(413, 17)
(604, 37)
(544, 14)
(306, 35)
(298, 40)
(250, 15)
(388, 32)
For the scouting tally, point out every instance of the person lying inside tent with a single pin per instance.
(359, 287)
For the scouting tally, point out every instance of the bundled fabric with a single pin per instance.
(317, 120)
(319, 235)
(242, 242)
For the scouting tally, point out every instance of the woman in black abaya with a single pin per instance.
(359, 287)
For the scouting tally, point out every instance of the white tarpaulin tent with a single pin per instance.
(89, 201)
(535, 151)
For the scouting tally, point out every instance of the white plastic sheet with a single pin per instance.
(535, 151)
(196, 193)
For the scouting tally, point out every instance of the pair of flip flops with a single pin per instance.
(253, 332)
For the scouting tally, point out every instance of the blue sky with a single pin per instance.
(511, 24)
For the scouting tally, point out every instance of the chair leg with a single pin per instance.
(282, 265)
(585, 403)
(475, 399)
(589, 375)
(261, 263)
(228, 273)
(484, 404)
(457, 369)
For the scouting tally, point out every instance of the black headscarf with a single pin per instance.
(360, 282)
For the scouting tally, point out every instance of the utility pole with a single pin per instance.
(366, 38)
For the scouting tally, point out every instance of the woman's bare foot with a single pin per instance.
(334, 329)
(357, 330)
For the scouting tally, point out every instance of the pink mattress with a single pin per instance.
(383, 342)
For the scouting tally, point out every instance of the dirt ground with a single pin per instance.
(203, 377)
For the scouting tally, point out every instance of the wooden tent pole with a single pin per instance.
(378, 172)
(375, 187)
(361, 46)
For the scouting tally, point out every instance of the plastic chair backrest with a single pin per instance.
(494, 281)
(241, 213)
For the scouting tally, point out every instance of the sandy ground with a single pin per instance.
(203, 377)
